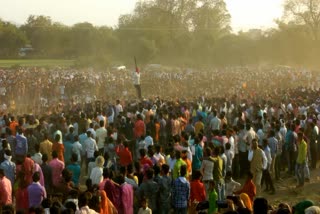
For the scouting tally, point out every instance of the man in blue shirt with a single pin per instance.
(74, 167)
(198, 155)
(181, 192)
(21, 149)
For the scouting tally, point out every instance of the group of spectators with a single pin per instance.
(160, 155)
(38, 90)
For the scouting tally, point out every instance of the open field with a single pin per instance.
(35, 62)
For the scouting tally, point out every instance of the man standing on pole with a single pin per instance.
(136, 79)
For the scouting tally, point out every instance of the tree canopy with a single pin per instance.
(173, 32)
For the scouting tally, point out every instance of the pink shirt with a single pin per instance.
(6, 191)
(57, 167)
(37, 168)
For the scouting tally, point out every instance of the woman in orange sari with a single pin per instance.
(58, 147)
(106, 206)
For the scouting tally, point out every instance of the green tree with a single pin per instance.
(305, 12)
(11, 39)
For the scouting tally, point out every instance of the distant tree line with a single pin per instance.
(174, 32)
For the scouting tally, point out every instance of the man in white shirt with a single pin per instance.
(215, 123)
(91, 129)
(231, 185)
(136, 82)
(77, 148)
(101, 134)
(119, 108)
(90, 146)
(266, 172)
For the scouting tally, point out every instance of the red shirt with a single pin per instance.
(197, 191)
(146, 160)
(139, 128)
(125, 156)
(249, 188)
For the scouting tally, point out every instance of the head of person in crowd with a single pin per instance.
(57, 138)
(300, 207)
(36, 177)
(100, 161)
(44, 158)
(260, 206)
(312, 210)
(183, 171)
(54, 154)
(249, 176)
(142, 153)
(178, 155)
(254, 144)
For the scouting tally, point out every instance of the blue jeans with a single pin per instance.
(300, 173)
(220, 188)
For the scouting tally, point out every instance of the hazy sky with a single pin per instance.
(245, 13)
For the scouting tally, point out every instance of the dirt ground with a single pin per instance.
(287, 192)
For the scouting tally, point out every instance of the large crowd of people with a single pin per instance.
(160, 154)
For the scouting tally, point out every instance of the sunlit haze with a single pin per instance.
(245, 14)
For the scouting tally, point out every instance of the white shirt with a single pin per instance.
(232, 186)
(207, 169)
(268, 154)
(96, 175)
(146, 211)
(77, 149)
(230, 156)
(93, 132)
(149, 142)
(86, 210)
(136, 78)
(171, 162)
(118, 109)
(90, 147)
(231, 141)
(215, 123)
(101, 136)
(158, 157)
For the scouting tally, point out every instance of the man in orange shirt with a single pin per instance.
(197, 191)
(13, 125)
(124, 154)
(5, 189)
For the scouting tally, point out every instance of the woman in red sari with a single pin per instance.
(21, 192)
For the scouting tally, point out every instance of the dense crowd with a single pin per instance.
(157, 155)
(39, 90)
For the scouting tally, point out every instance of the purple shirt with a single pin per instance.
(36, 194)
